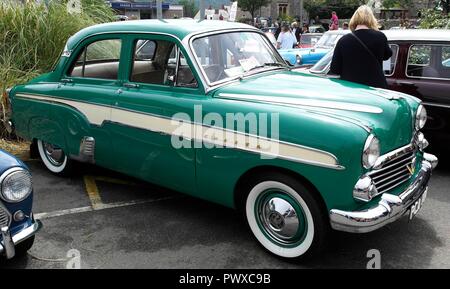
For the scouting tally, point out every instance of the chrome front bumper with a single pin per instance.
(8, 243)
(389, 208)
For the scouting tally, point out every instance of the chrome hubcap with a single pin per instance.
(280, 219)
(54, 154)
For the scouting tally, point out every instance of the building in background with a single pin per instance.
(145, 9)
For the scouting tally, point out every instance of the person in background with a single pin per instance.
(358, 56)
(334, 22)
(278, 30)
(286, 39)
(296, 31)
(345, 26)
(305, 28)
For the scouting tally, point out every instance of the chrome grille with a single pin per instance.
(394, 172)
(4, 217)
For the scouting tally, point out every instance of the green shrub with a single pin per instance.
(32, 36)
(433, 19)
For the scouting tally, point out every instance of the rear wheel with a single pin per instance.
(285, 217)
(54, 158)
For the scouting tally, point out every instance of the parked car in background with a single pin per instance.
(420, 66)
(317, 29)
(272, 30)
(308, 40)
(310, 56)
(17, 224)
(337, 155)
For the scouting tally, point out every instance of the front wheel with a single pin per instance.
(54, 158)
(285, 217)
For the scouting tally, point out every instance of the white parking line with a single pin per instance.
(99, 207)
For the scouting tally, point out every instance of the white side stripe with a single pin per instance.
(268, 148)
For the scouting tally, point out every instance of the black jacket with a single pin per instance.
(354, 63)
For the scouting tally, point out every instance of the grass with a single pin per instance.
(33, 35)
(18, 148)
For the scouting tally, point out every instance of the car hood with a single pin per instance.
(8, 161)
(385, 113)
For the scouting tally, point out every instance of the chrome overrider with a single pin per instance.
(8, 243)
(389, 208)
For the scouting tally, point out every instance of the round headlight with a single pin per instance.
(421, 117)
(371, 151)
(16, 185)
(299, 59)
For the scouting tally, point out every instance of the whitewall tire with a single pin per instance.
(284, 217)
(53, 158)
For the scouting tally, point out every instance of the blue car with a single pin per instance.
(310, 56)
(17, 224)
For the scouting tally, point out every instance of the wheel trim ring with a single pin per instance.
(266, 242)
(299, 236)
(49, 156)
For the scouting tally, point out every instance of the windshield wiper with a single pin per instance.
(273, 64)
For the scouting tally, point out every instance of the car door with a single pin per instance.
(86, 93)
(427, 76)
(141, 119)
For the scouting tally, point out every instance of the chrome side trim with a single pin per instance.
(198, 132)
(303, 102)
(388, 209)
(436, 105)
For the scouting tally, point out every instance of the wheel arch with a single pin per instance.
(242, 186)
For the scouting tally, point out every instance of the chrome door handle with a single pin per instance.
(130, 85)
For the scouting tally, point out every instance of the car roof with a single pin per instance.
(179, 28)
(417, 34)
(338, 32)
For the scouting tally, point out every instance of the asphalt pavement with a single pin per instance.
(103, 219)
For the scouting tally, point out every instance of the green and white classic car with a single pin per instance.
(211, 109)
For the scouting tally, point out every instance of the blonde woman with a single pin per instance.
(358, 56)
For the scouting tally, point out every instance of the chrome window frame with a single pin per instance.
(396, 59)
(409, 54)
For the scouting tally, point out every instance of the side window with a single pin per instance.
(155, 62)
(419, 61)
(99, 59)
(185, 77)
(429, 61)
(151, 62)
(389, 65)
(446, 57)
(145, 49)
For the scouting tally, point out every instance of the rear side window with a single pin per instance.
(429, 61)
(99, 59)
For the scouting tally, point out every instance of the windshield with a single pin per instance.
(309, 39)
(328, 40)
(231, 55)
(323, 64)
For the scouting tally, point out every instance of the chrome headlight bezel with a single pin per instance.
(371, 151)
(298, 59)
(21, 175)
(421, 117)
